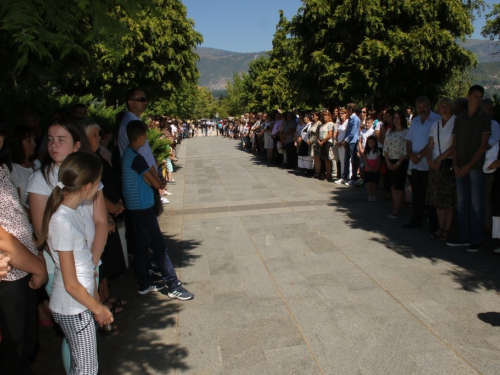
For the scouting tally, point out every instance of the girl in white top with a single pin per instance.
(74, 295)
(64, 137)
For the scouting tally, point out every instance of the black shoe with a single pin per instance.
(412, 224)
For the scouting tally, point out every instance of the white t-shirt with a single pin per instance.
(38, 185)
(364, 134)
(341, 131)
(20, 176)
(490, 156)
(67, 233)
(445, 136)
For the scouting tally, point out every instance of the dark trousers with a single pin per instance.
(147, 234)
(351, 157)
(18, 325)
(418, 192)
(291, 154)
(278, 158)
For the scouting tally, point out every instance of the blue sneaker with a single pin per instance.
(178, 291)
(152, 288)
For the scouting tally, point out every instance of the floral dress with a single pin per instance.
(314, 137)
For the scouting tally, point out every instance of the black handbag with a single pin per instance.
(446, 166)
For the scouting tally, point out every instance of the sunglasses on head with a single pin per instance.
(140, 100)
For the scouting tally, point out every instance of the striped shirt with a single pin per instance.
(137, 193)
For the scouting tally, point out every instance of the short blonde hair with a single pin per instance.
(446, 101)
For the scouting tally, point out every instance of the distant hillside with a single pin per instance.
(484, 49)
(217, 66)
(487, 72)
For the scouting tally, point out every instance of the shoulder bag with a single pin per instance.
(446, 166)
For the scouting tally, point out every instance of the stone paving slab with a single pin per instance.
(298, 276)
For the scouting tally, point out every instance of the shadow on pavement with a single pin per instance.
(146, 339)
(492, 318)
(474, 271)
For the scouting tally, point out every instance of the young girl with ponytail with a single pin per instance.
(74, 301)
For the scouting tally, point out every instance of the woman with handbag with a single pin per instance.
(441, 189)
(305, 160)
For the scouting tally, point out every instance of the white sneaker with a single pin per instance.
(164, 200)
(167, 193)
(340, 182)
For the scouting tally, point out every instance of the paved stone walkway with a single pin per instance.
(298, 276)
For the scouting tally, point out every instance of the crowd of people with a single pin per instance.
(67, 191)
(443, 163)
(64, 192)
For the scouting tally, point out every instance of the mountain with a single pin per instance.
(217, 66)
(484, 49)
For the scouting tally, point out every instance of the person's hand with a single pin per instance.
(414, 159)
(4, 265)
(434, 164)
(464, 171)
(39, 278)
(117, 208)
(111, 226)
(103, 316)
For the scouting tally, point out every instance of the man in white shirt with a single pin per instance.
(416, 144)
(136, 102)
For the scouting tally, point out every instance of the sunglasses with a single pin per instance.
(363, 111)
(140, 100)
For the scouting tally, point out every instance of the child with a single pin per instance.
(139, 201)
(74, 300)
(371, 156)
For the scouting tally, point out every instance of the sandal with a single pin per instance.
(395, 213)
(107, 329)
(436, 234)
(116, 306)
(445, 237)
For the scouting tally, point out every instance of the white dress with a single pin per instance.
(306, 162)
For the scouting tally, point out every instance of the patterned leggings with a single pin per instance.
(79, 330)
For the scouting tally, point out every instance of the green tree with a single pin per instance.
(369, 50)
(53, 47)
(278, 90)
(491, 29)
(158, 54)
(44, 41)
(235, 100)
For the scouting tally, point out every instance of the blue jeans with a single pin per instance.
(470, 207)
(147, 234)
(351, 157)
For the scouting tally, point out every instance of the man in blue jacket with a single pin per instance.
(351, 145)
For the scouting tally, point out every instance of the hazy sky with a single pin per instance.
(249, 25)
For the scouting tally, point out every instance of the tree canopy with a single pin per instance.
(103, 47)
(368, 51)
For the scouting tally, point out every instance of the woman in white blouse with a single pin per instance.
(441, 188)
